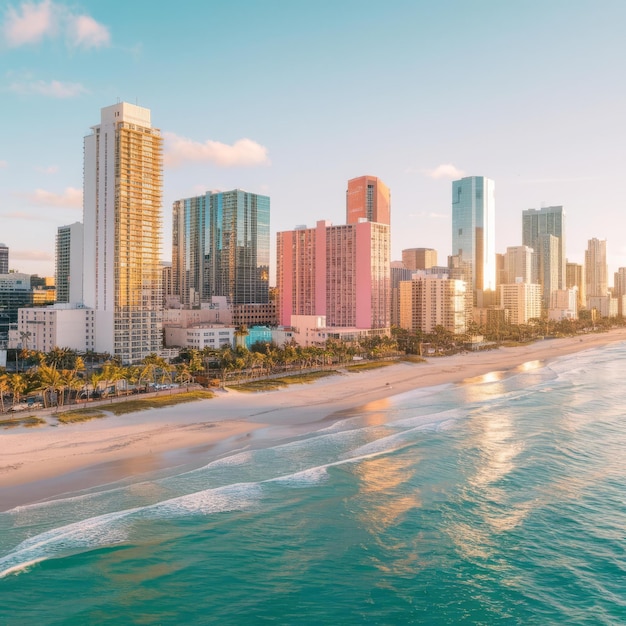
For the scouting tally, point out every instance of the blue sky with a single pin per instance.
(291, 99)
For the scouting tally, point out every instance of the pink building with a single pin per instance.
(342, 272)
(368, 198)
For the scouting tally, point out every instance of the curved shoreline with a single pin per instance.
(49, 461)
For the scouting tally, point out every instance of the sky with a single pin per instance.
(291, 99)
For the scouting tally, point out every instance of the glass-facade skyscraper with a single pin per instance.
(220, 247)
(473, 231)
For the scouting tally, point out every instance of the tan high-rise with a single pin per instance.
(122, 237)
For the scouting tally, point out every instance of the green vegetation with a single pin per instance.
(362, 367)
(28, 421)
(158, 402)
(412, 358)
(271, 384)
(80, 415)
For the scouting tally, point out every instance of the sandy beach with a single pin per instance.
(48, 461)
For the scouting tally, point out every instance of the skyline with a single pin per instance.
(525, 96)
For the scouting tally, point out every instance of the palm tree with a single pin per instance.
(4, 388)
(18, 385)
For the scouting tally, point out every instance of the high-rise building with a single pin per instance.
(619, 289)
(575, 277)
(473, 232)
(221, 247)
(545, 221)
(341, 272)
(368, 198)
(522, 301)
(398, 273)
(4, 259)
(123, 177)
(548, 266)
(518, 264)
(428, 300)
(419, 258)
(68, 275)
(596, 269)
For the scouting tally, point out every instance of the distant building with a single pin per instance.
(605, 306)
(564, 304)
(575, 277)
(427, 301)
(15, 292)
(522, 301)
(619, 289)
(596, 270)
(4, 259)
(69, 263)
(546, 221)
(419, 258)
(398, 274)
(473, 232)
(368, 198)
(518, 264)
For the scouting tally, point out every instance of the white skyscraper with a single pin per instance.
(122, 231)
(69, 264)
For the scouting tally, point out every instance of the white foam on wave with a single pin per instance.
(90, 533)
(307, 477)
(236, 497)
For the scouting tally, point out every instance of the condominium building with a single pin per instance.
(122, 231)
(398, 273)
(368, 198)
(619, 289)
(596, 269)
(473, 232)
(518, 264)
(428, 300)
(419, 258)
(522, 301)
(575, 277)
(220, 247)
(342, 272)
(4, 259)
(548, 266)
(69, 263)
(545, 221)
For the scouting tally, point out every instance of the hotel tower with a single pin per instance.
(122, 206)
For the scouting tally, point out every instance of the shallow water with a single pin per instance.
(500, 501)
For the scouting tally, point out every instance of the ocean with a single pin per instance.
(501, 500)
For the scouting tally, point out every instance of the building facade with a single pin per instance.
(4, 259)
(341, 272)
(473, 232)
(518, 264)
(427, 301)
(575, 277)
(68, 276)
(596, 269)
(220, 247)
(419, 258)
(545, 221)
(368, 198)
(123, 177)
(522, 301)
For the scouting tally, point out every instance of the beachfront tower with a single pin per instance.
(473, 232)
(122, 217)
(368, 198)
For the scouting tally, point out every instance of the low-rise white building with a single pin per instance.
(214, 336)
(60, 326)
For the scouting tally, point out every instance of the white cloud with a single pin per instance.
(53, 89)
(71, 198)
(86, 32)
(3, 164)
(244, 152)
(445, 170)
(30, 23)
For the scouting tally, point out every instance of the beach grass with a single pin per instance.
(28, 421)
(412, 358)
(271, 384)
(158, 402)
(80, 415)
(364, 367)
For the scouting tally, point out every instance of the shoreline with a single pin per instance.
(50, 461)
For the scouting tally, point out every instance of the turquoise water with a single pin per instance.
(502, 501)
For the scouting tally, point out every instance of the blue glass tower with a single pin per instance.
(220, 247)
(473, 231)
